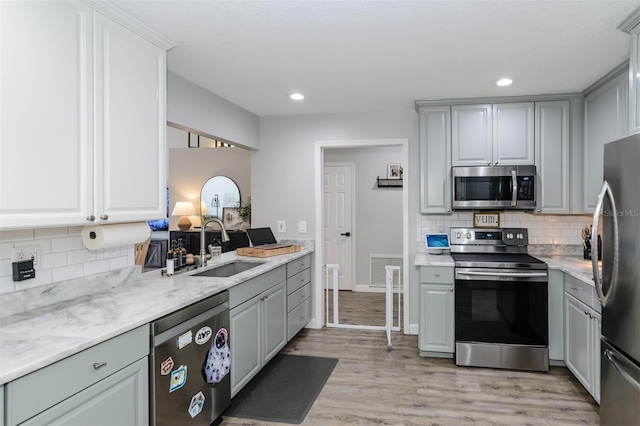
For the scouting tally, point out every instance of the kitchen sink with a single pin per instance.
(229, 269)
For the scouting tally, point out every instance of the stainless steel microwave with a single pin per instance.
(498, 187)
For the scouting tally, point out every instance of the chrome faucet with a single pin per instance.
(203, 227)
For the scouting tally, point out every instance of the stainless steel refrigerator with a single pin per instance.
(618, 206)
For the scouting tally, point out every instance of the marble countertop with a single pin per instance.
(38, 337)
(575, 266)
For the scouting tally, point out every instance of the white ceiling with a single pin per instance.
(358, 56)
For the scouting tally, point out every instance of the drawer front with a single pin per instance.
(298, 265)
(251, 288)
(298, 318)
(581, 291)
(436, 274)
(295, 298)
(32, 394)
(298, 280)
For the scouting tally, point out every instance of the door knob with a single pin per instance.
(346, 234)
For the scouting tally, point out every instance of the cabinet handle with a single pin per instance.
(91, 218)
(495, 164)
(586, 312)
(448, 210)
(450, 288)
(488, 163)
(539, 210)
(104, 217)
(574, 288)
(98, 365)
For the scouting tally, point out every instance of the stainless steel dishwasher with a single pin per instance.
(190, 364)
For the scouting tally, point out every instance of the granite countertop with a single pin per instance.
(575, 266)
(40, 336)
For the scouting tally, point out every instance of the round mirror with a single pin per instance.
(217, 193)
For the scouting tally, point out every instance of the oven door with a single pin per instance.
(501, 306)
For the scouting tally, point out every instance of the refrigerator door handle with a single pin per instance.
(611, 357)
(605, 191)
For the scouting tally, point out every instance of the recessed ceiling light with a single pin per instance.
(297, 96)
(504, 82)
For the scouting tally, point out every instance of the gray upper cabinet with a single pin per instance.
(552, 156)
(605, 120)
(632, 26)
(435, 159)
(471, 135)
(488, 135)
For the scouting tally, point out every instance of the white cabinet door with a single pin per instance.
(634, 80)
(513, 134)
(596, 329)
(605, 121)
(435, 159)
(471, 135)
(130, 125)
(552, 156)
(46, 114)
(274, 321)
(245, 343)
(437, 318)
(578, 340)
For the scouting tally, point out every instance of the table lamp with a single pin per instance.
(184, 209)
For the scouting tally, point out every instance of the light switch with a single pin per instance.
(281, 226)
(302, 227)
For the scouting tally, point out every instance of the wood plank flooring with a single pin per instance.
(375, 385)
(362, 308)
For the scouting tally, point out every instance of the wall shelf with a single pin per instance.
(389, 183)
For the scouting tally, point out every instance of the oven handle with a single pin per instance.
(514, 186)
(504, 274)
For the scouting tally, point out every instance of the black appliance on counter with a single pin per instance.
(191, 240)
(501, 305)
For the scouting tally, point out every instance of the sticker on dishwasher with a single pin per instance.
(197, 403)
(178, 378)
(185, 339)
(203, 335)
(218, 361)
(166, 366)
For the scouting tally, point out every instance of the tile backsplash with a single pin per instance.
(62, 257)
(543, 229)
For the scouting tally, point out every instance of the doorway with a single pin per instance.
(323, 150)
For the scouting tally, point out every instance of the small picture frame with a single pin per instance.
(231, 219)
(393, 171)
(486, 220)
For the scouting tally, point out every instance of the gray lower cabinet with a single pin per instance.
(582, 322)
(556, 316)
(258, 323)
(106, 381)
(1, 405)
(437, 317)
(298, 295)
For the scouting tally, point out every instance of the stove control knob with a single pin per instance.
(520, 236)
(458, 235)
(510, 236)
(468, 235)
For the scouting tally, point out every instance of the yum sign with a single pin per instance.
(486, 220)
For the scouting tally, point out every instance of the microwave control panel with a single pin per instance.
(526, 189)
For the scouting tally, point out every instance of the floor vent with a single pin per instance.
(377, 273)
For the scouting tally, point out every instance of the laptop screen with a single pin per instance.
(261, 236)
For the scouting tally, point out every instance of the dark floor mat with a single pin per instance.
(284, 390)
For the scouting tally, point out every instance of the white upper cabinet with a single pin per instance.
(552, 156)
(605, 120)
(46, 104)
(82, 117)
(471, 136)
(435, 159)
(130, 125)
(489, 135)
(513, 134)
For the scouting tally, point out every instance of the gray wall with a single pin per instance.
(283, 170)
(192, 108)
(378, 214)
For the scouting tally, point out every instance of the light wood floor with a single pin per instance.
(375, 385)
(362, 308)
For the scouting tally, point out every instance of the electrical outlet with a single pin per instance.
(302, 227)
(26, 253)
(281, 226)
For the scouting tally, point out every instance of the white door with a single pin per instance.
(337, 221)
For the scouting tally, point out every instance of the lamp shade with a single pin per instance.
(183, 208)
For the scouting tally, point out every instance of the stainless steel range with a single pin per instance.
(501, 305)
